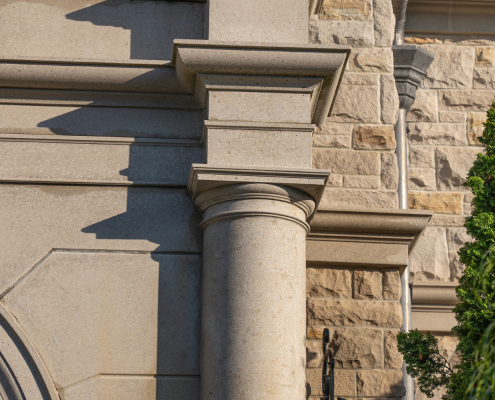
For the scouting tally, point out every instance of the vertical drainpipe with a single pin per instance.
(410, 65)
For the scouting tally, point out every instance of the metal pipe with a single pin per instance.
(400, 7)
(402, 153)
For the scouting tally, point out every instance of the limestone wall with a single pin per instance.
(357, 143)
(362, 311)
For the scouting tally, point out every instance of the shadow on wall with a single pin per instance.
(153, 25)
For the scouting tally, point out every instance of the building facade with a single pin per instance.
(191, 191)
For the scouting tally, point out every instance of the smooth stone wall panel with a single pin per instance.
(112, 313)
(93, 162)
(98, 29)
(38, 218)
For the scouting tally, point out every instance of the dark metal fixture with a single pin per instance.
(328, 380)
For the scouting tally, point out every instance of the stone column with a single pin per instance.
(257, 192)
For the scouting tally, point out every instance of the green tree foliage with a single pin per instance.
(475, 312)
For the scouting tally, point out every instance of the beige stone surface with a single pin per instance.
(425, 107)
(354, 313)
(442, 203)
(359, 198)
(468, 203)
(335, 180)
(421, 179)
(427, 133)
(447, 348)
(452, 68)
(475, 127)
(484, 78)
(357, 348)
(379, 383)
(372, 60)
(454, 117)
(328, 282)
(393, 359)
(345, 382)
(389, 99)
(367, 285)
(374, 138)
(341, 161)
(97, 29)
(447, 220)
(453, 166)
(263, 21)
(485, 57)
(156, 297)
(429, 259)
(362, 181)
(329, 128)
(421, 157)
(456, 238)
(347, 33)
(355, 78)
(314, 353)
(316, 332)
(117, 218)
(331, 141)
(391, 285)
(134, 387)
(356, 104)
(358, 10)
(465, 100)
(383, 17)
(390, 170)
(421, 40)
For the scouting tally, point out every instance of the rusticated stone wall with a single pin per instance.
(361, 309)
(357, 143)
(444, 123)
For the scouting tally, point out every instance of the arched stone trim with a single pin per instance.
(23, 375)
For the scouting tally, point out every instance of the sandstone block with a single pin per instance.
(425, 133)
(447, 220)
(452, 68)
(456, 237)
(372, 60)
(335, 180)
(345, 382)
(393, 359)
(484, 78)
(466, 100)
(420, 40)
(468, 203)
(367, 285)
(345, 162)
(389, 99)
(362, 181)
(421, 179)
(453, 166)
(447, 347)
(356, 104)
(384, 23)
(357, 10)
(326, 282)
(316, 332)
(374, 137)
(331, 141)
(379, 383)
(354, 313)
(454, 117)
(348, 33)
(351, 78)
(389, 174)
(334, 129)
(359, 198)
(442, 203)
(475, 127)
(314, 353)
(421, 157)
(357, 348)
(429, 259)
(484, 57)
(424, 108)
(391, 285)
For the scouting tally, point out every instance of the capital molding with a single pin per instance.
(203, 65)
